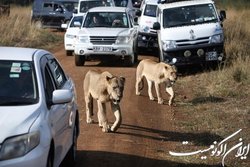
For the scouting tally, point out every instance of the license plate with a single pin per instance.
(210, 56)
(102, 49)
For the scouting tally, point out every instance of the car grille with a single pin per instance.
(197, 41)
(102, 40)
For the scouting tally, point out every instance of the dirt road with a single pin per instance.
(146, 135)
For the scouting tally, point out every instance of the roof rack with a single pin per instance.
(169, 1)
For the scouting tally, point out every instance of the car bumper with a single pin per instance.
(194, 54)
(147, 40)
(36, 157)
(115, 50)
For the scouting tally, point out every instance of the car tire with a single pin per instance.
(130, 60)
(70, 158)
(69, 53)
(50, 159)
(79, 60)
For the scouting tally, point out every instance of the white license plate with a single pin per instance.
(102, 49)
(210, 56)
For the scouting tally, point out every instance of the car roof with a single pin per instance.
(184, 3)
(19, 53)
(107, 9)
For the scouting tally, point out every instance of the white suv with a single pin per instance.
(113, 35)
(190, 32)
(147, 36)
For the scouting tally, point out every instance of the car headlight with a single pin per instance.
(123, 39)
(70, 36)
(83, 39)
(19, 146)
(168, 45)
(144, 29)
(217, 38)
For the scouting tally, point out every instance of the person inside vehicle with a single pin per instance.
(117, 22)
(96, 21)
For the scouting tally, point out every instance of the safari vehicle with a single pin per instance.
(52, 13)
(107, 32)
(39, 114)
(189, 32)
(71, 31)
(147, 36)
(85, 5)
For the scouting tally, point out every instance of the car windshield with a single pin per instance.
(70, 6)
(86, 5)
(189, 15)
(150, 10)
(106, 19)
(18, 83)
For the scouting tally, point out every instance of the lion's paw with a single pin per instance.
(106, 129)
(152, 98)
(160, 101)
(90, 121)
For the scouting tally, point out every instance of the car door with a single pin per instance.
(59, 114)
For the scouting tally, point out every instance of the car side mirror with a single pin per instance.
(138, 13)
(75, 11)
(64, 25)
(61, 96)
(223, 15)
(156, 26)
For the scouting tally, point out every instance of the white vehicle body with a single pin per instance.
(85, 5)
(71, 31)
(189, 32)
(39, 115)
(106, 39)
(147, 36)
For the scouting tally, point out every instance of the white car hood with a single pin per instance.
(72, 31)
(184, 32)
(16, 120)
(104, 31)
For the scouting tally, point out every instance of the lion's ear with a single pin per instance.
(108, 78)
(122, 80)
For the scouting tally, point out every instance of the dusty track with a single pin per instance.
(145, 136)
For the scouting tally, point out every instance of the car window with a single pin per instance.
(49, 86)
(76, 19)
(57, 73)
(86, 5)
(150, 10)
(18, 83)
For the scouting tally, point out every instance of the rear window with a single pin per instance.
(150, 10)
(18, 83)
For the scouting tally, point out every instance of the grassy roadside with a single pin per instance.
(215, 104)
(17, 30)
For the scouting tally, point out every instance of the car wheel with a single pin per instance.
(70, 158)
(79, 60)
(69, 52)
(50, 159)
(130, 60)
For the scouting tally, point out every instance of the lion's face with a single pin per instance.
(171, 73)
(115, 88)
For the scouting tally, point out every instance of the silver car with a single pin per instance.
(39, 118)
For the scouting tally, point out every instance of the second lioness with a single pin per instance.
(156, 73)
(104, 87)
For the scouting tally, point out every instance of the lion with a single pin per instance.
(156, 73)
(103, 87)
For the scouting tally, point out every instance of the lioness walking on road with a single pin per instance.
(104, 87)
(156, 73)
